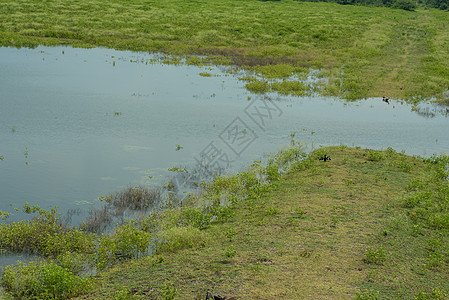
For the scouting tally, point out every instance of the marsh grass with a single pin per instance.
(136, 198)
(363, 51)
(117, 205)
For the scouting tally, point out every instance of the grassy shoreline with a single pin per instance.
(363, 51)
(366, 224)
(333, 229)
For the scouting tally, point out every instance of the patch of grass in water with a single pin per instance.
(258, 86)
(205, 74)
(295, 88)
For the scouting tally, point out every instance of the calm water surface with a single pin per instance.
(76, 124)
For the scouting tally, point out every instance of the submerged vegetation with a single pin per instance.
(297, 224)
(361, 51)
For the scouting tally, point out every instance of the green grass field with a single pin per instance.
(363, 51)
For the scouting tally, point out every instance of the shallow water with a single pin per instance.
(76, 124)
(10, 259)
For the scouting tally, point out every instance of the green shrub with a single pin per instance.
(70, 240)
(43, 281)
(222, 184)
(249, 178)
(272, 171)
(44, 234)
(222, 212)
(105, 254)
(127, 242)
(194, 216)
(198, 217)
(438, 221)
(416, 199)
(416, 184)
(404, 4)
(375, 155)
(150, 222)
(390, 151)
(131, 242)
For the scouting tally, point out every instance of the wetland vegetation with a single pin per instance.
(361, 51)
(331, 223)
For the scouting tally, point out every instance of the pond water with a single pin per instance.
(76, 124)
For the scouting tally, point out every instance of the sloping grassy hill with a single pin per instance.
(364, 51)
(366, 224)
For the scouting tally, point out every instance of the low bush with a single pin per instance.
(131, 242)
(44, 234)
(43, 281)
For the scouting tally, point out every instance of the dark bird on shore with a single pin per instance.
(325, 158)
(385, 99)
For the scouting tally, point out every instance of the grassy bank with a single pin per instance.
(367, 224)
(365, 52)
